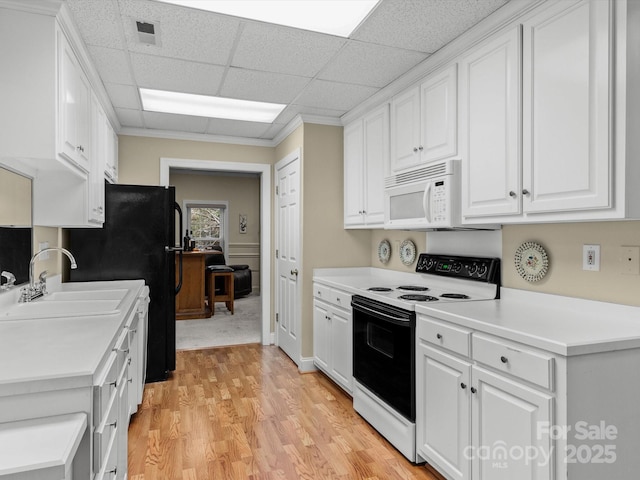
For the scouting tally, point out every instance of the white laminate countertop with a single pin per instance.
(65, 352)
(562, 325)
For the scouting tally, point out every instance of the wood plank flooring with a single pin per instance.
(244, 412)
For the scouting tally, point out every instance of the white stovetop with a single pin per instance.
(563, 325)
(48, 353)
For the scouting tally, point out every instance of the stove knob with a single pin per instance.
(482, 271)
(457, 267)
(430, 263)
(473, 269)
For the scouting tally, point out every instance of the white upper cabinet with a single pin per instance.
(74, 108)
(490, 127)
(366, 152)
(424, 122)
(566, 119)
(439, 119)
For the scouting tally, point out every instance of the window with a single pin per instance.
(207, 223)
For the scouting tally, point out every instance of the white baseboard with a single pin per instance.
(306, 365)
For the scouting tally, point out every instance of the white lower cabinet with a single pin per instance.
(333, 334)
(472, 423)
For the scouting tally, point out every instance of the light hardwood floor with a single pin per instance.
(244, 412)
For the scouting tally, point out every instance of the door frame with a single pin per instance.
(283, 162)
(264, 170)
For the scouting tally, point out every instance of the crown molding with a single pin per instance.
(42, 7)
(195, 137)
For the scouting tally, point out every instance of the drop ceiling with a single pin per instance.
(316, 75)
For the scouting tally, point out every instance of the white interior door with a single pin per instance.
(288, 256)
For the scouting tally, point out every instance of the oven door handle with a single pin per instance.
(381, 315)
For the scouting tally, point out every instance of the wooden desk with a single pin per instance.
(190, 302)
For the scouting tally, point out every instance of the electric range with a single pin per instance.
(384, 323)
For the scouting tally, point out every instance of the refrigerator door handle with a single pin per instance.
(179, 249)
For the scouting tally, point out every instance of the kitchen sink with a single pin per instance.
(68, 304)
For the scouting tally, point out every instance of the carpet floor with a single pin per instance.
(244, 326)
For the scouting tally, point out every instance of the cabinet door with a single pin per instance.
(507, 430)
(353, 174)
(376, 157)
(490, 127)
(342, 347)
(321, 335)
(567, 50)
(96, 174)
(439, 125)
(405, 131)
(74, 123)
(443, 423)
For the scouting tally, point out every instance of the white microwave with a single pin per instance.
(426, 198)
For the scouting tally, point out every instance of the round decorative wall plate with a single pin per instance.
(407, 252)
(532, 262)
(384, 251)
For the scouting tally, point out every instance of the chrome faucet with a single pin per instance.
(35, 290)
(11, 280)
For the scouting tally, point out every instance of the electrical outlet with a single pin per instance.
(591, 257)
(42, 246)
(629, 258)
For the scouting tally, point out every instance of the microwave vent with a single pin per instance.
(433, 170)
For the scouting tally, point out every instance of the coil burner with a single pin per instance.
(459, 296)
(418, 298)
(413, 288)
(380, 289)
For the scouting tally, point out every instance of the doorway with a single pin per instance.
(172, 165)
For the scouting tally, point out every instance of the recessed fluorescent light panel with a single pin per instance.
(335, 17)
(206, 106)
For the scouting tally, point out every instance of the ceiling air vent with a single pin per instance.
(146, 32)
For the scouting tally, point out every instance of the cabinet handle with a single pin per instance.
(420, 148)
(114, 471)
(512, 194)
(415, 149)
(439, 336)
(114, 424)
(113, 384)
(463, 386)
(525, 192)
(473, 390)
(504, 359)
(364, 212)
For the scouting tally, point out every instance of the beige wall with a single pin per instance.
(325, 241)
(563, 243)
(15, 199)
(139, 157)
(243, 196)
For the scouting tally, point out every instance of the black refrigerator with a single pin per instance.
(137, 241)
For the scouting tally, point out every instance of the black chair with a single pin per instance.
(241, 273)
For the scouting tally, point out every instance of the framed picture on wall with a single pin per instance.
(243, 223)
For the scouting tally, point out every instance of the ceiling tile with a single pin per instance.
(176, 75)
(284, 50)
(334, 95)
(235, 128)
(129, 117)
(98, 22)
(368, 64)
(183, 33)
(423, 25)
(178, 123)
(123, 96)
(113, 65)
(262, 86)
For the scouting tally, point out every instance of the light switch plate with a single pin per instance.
(591, 257)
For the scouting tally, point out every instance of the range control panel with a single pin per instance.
(482, 269)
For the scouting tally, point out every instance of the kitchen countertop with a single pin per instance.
(65, 352)
(562, 325)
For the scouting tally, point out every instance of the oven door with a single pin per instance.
(384, 353)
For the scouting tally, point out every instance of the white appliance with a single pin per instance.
(426, 198)
(384, 323)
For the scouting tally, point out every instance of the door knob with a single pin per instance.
(294, 272)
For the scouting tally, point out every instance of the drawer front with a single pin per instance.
(109, 468)
(106, 387)
(445, 335)
(122, 348)
(103, 433)
(322, 292)
(531, 365)
(341, 299)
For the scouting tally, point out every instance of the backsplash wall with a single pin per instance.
(563, 243)
(396, 237)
